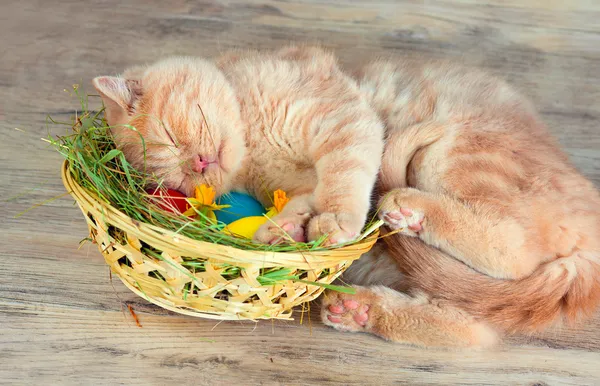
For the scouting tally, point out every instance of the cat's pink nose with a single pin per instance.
(198, 164)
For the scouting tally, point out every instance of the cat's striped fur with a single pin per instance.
(500, 233)
(255, 122)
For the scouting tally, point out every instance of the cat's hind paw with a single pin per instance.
(346, 312)
(413, 319)
(409, 220)
(397, 212)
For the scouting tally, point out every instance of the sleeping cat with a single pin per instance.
(499, 233)
(258, 122)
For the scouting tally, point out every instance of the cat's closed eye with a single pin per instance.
(167, 131)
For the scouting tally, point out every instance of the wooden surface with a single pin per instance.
(63, 322)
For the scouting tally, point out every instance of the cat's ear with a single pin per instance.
(118, 95)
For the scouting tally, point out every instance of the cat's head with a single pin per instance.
(188, 117)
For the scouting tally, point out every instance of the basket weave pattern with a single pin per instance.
(206, 294)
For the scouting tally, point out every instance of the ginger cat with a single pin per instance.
(499, 233)
(257, 122)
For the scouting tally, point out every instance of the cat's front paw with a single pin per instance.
(338, 227)
(287, 228)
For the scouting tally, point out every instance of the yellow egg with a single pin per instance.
(245, 227)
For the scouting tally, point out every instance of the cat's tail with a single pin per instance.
(401, 146)
(562, 290)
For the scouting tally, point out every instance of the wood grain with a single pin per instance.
(62, 320)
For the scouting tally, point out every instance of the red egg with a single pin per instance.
(170, 200)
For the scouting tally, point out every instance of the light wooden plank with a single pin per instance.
(61, 319)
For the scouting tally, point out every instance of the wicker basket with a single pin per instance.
(120, 239)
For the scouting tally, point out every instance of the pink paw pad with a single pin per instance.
(406, 212)
(336, 309)
(358, 312)
(394, 215)
(296, 232)
(416, 227)
(404, 218)
(287, 227)
(351, 304)
(362, 317)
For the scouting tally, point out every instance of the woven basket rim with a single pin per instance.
(81, 194)
(248, 299)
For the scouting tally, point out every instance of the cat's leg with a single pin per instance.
(398, 317)
(490, 244)
(346, 172)
(290, 224)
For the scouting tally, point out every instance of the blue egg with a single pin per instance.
(242, 205)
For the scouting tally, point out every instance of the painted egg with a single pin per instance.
(170, 200)
(242, 205)
(245, 227)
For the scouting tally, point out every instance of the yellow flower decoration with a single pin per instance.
(205, 194)
(280, 199)
(204, 202)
